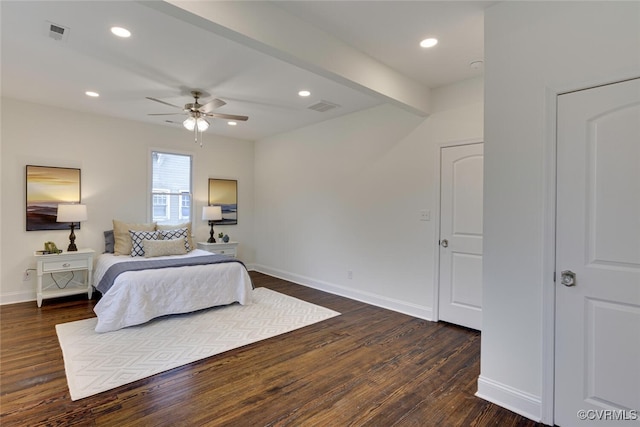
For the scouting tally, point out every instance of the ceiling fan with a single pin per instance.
(197, 113)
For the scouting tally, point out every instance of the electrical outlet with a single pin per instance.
(425, 215)
(26, 276)
(349, 274)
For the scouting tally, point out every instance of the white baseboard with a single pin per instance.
(404, 307)
(16, 297)
(515, 400)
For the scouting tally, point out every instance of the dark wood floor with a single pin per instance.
(369, 366)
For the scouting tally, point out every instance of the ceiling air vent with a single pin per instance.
(323, 106)
(57, 32)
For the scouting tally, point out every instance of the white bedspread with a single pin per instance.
(139, 296)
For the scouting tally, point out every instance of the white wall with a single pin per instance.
(345, 194)
(113, 156)
(534, 50)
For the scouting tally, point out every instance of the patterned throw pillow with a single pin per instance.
(186, 225)
(178, 233)
(137, 248)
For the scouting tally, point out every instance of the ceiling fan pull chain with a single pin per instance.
(195, 131)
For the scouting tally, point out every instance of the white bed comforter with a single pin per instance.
(139, 296)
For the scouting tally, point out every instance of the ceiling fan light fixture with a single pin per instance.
(202, 124)
(189, 123)
(196, 120)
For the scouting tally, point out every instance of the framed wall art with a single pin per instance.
(224, 193)
(48, 186)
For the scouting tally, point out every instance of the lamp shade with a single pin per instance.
(72, 213)
(202, 124)
(189, 123)
(211, 213)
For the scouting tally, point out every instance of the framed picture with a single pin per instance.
(224, 193)
(47, 187)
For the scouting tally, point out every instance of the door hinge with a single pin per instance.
(554, 277)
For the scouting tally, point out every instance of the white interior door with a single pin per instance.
(460, 291)
(597, 350)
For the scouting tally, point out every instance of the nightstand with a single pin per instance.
(228, 248)
(65, 262)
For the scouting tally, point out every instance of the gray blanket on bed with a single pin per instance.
(115, 270)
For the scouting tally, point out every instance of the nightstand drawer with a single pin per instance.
(228, 248)
(48, 266)
(229, 252)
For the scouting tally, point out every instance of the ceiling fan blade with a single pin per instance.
(162, 102)
(165, 114)
(227, 116)
(212, 105)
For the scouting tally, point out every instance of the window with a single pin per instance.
(171, 187)
(161, 208)
(185, 205)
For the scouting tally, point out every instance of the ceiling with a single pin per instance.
(167, 57)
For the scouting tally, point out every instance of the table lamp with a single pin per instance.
(211, 214)
(72, 214)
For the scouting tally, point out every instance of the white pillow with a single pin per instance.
(136, 240)
(154, 248)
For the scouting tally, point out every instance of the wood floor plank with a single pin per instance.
(367, 367)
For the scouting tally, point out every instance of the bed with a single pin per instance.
(136, 289)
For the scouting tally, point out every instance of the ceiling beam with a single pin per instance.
(273, 31)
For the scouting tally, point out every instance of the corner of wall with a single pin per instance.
(515, 400)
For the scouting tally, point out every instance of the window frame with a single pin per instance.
(179, 194)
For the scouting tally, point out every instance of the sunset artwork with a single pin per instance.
(46, 188)
(224, 193)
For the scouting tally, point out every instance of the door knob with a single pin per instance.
(568, 278)
(444, 243)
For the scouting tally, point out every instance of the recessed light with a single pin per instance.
(304, 93)
(121, 32)
(232, 123)
(92, 94)
(430, 42)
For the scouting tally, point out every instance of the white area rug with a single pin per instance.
(98, 362)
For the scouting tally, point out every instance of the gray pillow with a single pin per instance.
(109, 242)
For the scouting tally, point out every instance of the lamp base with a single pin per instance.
(211, 239)
(72, 240)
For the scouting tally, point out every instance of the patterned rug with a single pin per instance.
(98, 362)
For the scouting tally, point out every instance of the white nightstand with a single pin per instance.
(66, 262)
(229, 248)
